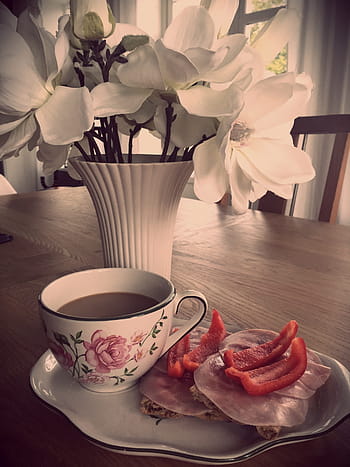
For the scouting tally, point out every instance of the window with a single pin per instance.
(250, 18)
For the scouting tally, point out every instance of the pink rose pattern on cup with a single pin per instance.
(91, 360)
(107, 353)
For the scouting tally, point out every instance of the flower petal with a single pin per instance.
(257, 192)
(210, 179)
(22, 88)
(18, 137)
(288, 110)
(240, 185)
(115, 98)
(6, 17)
(193, 27)
(271, 93)
(205, 60)
(222, 12)
(271, 163)
(50, 52)
(144, 114)
(142, 69)
(232, 61)
(8, 123)
(276, 33)
(65, 117)
(40, 41)
(176, 68)
(52, 156)
(206, 102)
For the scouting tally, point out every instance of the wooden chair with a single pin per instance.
(338, 125)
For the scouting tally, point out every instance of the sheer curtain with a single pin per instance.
(324, 53)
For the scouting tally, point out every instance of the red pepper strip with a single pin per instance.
(259, 355)
(208, 345)
(276, 376)
(175, 355)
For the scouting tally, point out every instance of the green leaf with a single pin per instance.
(78, 334)
(130, 372)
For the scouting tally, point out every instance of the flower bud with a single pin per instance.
(92, 20)
(130, 42)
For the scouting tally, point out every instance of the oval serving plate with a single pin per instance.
(114, 421)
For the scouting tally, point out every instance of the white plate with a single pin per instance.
(115, 422)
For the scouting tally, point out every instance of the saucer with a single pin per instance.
(114, 421)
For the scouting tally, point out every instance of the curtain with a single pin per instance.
(324, 53)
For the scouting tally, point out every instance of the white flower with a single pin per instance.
(253, 153)
(188, 55)
(30, 97)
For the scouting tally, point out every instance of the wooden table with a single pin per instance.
(258, 270)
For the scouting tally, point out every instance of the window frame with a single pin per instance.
(243, 19)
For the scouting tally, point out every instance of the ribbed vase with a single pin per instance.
(136, 206)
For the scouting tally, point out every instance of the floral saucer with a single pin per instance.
(102, 417)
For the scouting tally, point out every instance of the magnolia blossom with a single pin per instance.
(253, 153)
(35, 109)
(33, 106)
(176, 66)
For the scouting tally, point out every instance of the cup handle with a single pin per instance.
(190, 323)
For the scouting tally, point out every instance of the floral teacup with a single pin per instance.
(111, 354)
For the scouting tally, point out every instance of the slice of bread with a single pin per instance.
(148, 407)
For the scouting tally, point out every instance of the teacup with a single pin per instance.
(108, 348)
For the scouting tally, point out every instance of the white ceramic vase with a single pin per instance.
(136, 206)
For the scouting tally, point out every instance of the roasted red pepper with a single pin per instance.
(208, 345)
(259, 355)
(175, 355)
(275, 376)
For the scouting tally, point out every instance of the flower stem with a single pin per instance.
(172, 157)
(117, 149)
(188, 153)
(132, 133)
(169, 111)
(95, 150)
(82, 151)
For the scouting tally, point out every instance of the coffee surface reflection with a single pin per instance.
(107, 305)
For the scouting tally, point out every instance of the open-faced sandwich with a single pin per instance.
(253, 377)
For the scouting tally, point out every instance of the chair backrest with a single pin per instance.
(5, 186)
(338, 125)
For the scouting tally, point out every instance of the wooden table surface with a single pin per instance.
(258, 270)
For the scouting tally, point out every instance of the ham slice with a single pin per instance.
(171, 393)
(286, 407)
(234, 401)
(315, 374)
